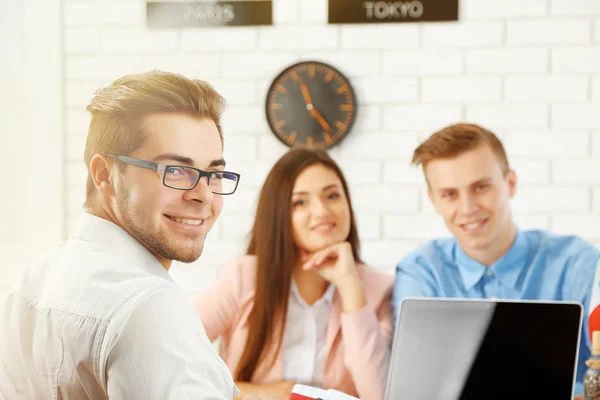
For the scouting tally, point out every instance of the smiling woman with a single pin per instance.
(302, 269)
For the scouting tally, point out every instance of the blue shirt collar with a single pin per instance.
(507, 268)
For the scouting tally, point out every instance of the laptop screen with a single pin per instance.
(480, 349)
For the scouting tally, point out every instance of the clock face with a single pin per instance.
(311, 104)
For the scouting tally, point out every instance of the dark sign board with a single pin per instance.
(183, 14)
(369, 12)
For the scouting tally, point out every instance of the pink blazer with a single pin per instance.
(358, 344)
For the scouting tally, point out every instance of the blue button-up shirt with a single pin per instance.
(539, 266)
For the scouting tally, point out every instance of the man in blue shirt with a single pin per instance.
(470, 185)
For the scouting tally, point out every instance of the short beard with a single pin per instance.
(156, 242)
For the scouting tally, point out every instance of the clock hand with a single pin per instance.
(305, 94)
(316, 115)
(311, 108)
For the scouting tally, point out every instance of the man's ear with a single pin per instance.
(511, 179)
(102, 175)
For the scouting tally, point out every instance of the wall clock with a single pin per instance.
(311, 104)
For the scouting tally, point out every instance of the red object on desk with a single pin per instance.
(296, 396)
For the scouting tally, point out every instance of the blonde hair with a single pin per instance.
(118, 111)
(457, 139)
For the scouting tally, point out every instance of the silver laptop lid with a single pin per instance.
(463, 349)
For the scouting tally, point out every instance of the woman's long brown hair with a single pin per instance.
(272, 243)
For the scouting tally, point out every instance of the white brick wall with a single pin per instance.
(529, 70)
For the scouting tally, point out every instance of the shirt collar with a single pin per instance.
(507, 268)
(327, 296)
(108, 234)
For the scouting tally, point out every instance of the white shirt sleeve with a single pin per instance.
(163, 353)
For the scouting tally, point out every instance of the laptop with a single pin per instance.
(467, 349)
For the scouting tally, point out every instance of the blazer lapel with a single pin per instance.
(376, 288)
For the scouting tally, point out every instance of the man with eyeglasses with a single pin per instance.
(99, 316)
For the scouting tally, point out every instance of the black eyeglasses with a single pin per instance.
(186, 178)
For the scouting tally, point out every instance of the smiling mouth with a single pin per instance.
(473, 227)
(187, 221)
(323, 227)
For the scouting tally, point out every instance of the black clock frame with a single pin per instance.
(317, 63)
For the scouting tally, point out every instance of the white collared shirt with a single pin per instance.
(304, 337)
(100, 317)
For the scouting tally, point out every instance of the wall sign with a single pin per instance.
(183, 14)
(368, 12)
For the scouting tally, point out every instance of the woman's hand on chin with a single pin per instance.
(336, 264)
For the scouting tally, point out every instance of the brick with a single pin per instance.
(297, 37)
(380, 36)
(131, 13)
(255, 65)
(422, 63)
(596, 143)
(78, 121)
(237, 120)
(368, 119)
(596, 88)
(473, 9)
(369, 226)
(139, 40)
(546, 88)
(270, 147)
(81, 40)
(576, 116)
(377, 146)
(586, 226)
(506, 61)
(386, 254)
(551, 199)
(239, 148)
(102, 67)
(596, 200)
(576, 171)
(361, 172)
(203, 67)
(108, 13)
(253, 172)
(286, 13)
(243, 200)
(402, 172)
(461, 89)
(75, 146)
(76, 174)
(80, 13)
(75, 199)
(219, 39)
(80, 93)
(420, 117)
(217, 252)
(576, 60)
(531, 171)
(237, 92)
(346, 62)
(574, 31)
(313, 11)
(509, 116)
(584, 8)
(237, 226)
(384, 199)
(547, 144)
(419, 226)
(386, 90)
(529, 222)
(463, 35)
